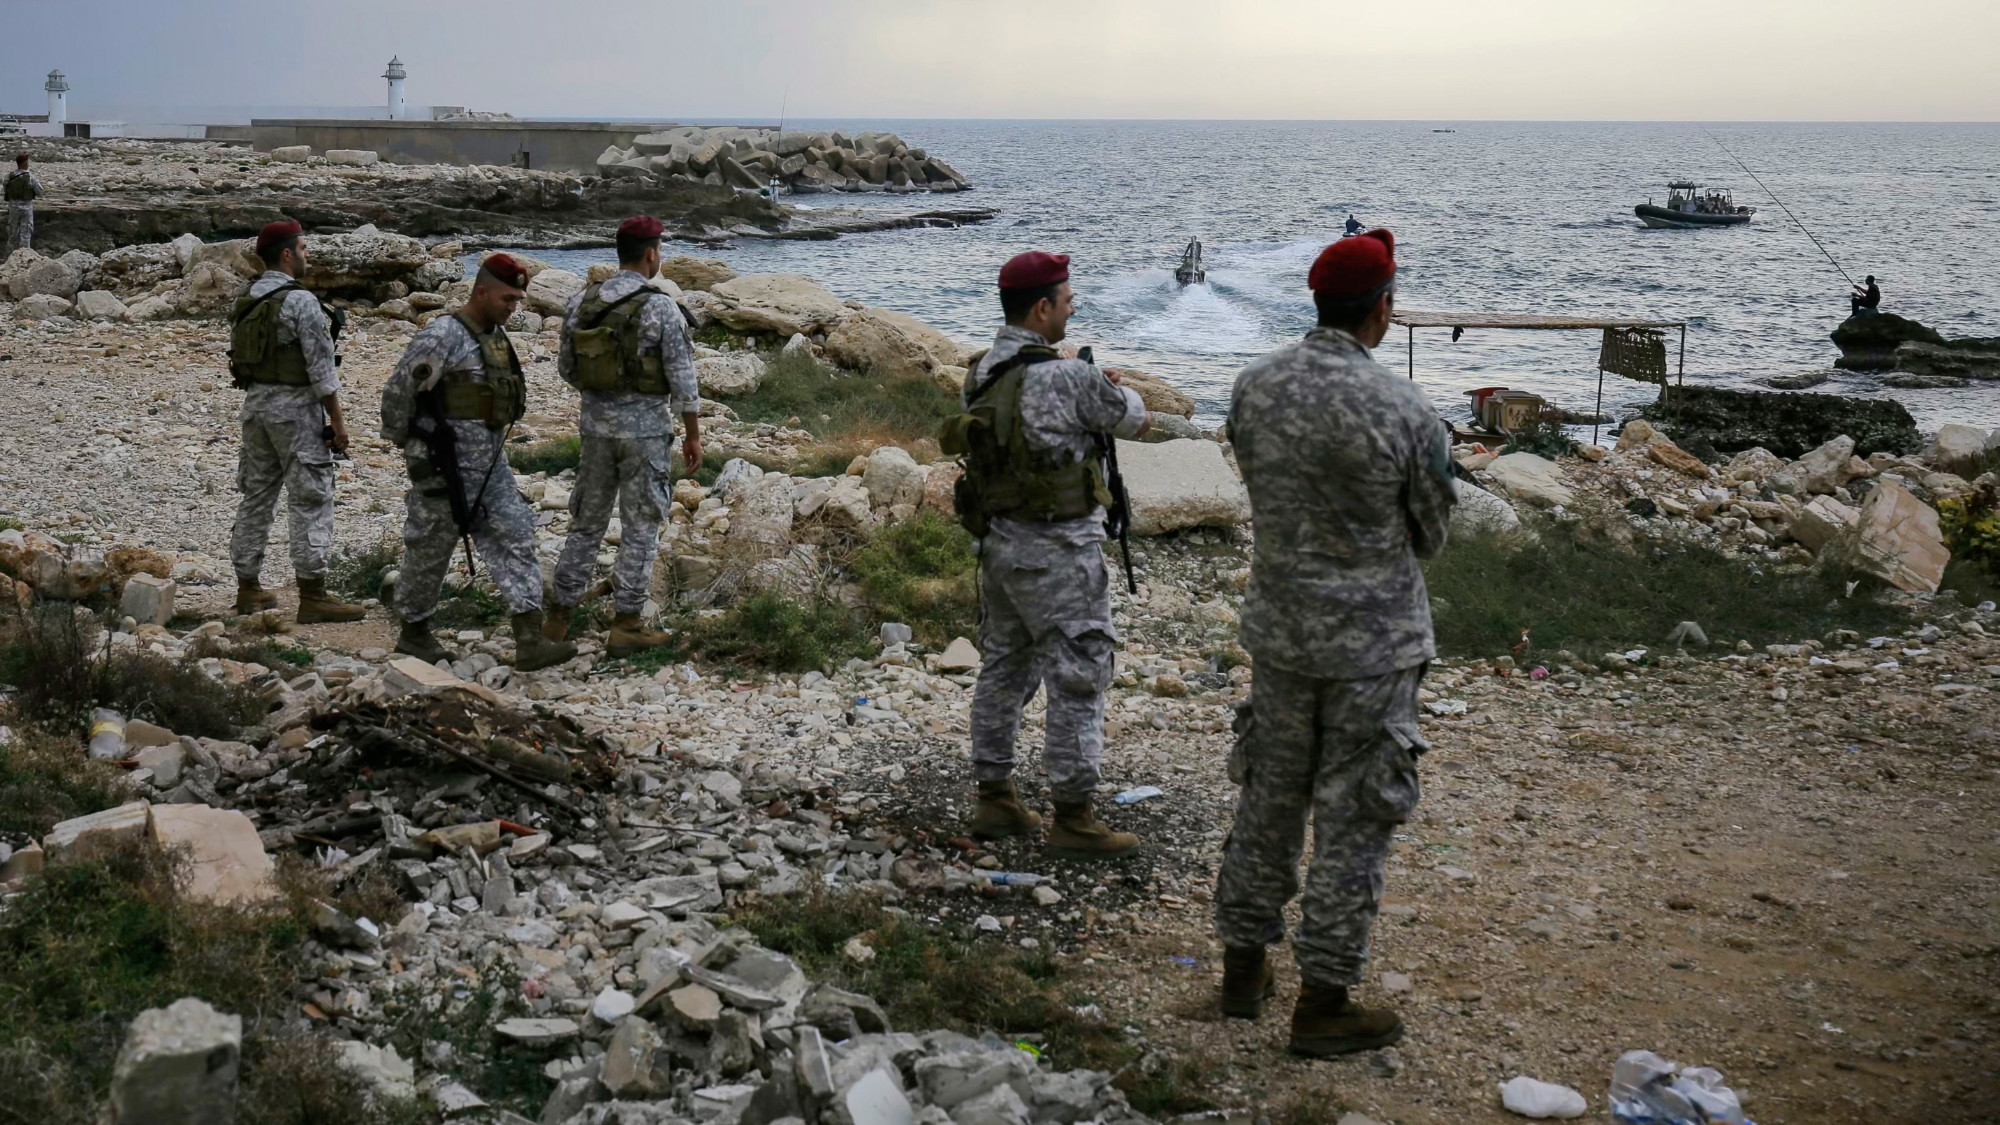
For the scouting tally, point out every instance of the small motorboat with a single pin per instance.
(1191, 271)
(1689, 205)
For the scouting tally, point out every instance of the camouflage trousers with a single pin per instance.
(637, 474)
(1045, 619)
(20, 229)
(283, 450)
(1343, 752)
(503, 527)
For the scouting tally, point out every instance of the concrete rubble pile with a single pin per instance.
(804, 161)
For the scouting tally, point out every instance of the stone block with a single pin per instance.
(1533, 479)
(958, 656)
(353, 157)
(166, 762)
(1959, 449)
(893, 477)
(178, 1066)
(97, 833)
(98, 304)
(292, 154)
(148, 600)
(1179, 484)
(628, 1060)
(226, 860)
(1896, 539)
(1822, 520)
(387, 1073)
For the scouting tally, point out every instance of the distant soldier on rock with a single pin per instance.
(21, 191)
(1034, 495)
(281, 354)
(625, 346)
(1349, 475)
(449, 403)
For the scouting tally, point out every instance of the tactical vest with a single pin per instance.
(605, 345)
(255, 354)
(1003, 477)
(19, 188)
(502, 398)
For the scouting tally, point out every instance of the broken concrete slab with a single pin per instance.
(148, 600)
(178, 1066)
(1897, 540)
(387, 1073)
(85, 836)
(1181, 483)
(226, 859)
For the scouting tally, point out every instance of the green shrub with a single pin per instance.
(549, 457)
(52, 655)
(1545, 438)
(469, 605)
(1592, 597)
(832, 404)
(358, 574)
(920, 572)
(48, 778)
(766, 630)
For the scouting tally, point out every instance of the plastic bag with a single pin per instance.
(1648, 1090)
(1532, 1098)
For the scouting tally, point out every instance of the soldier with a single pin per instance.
(449, 403)
(22, 189)
(625, 346)
(1349, 476)
(281, 355)
(1034, 495)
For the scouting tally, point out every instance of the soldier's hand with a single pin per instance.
(1111, 373)
(691, 453)
(339, 442)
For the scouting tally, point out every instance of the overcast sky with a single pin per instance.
(670, 59)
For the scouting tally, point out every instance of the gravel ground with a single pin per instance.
(1781, 868)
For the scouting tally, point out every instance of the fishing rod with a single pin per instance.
(1780, 203)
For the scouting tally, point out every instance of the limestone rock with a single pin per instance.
(1822, 520)
(130, 269)
(1753, 464)
(1532, 479)
(628, 1060)
(950, 378)
(352, 157)
(94, 834)
(733, 373)
(959, 656)
(1960, 449)
(696, 273)
(387, 1073)
(889, 344)
(292, 154)
(1479, 512)
(1897, 540)
(893, 477)
(1954, 359)
(1869, 342)
(358, 262)
(226, 860)
(178, 1066)
(549, 291)
(777, 303)
(1178, 484)
(50, 276)
(209, 289)
(1829, 467)
(148, 600)
(42, 306)
(98, 304)
(761, 511)
(1788, 425)
(941, 487)
(1160, 396)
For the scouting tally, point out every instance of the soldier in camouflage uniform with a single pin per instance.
(1035, 497)
(21, 191)
(1350, 482)
(449, 404)
(635, 371)
(281, 355)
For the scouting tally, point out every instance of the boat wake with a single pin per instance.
(1199, 319)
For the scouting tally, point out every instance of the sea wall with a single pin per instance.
(557, 146)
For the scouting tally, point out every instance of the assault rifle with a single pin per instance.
(433, 429)
(1118, 517)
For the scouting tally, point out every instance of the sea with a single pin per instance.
(1514, 217)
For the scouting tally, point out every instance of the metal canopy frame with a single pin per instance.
(1413, 319)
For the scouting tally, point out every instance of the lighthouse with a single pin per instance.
(58, 88)
(395, 74)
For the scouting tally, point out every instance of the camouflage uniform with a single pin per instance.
(282, 446)
(1045, 602)
(503, 528)
(1349, 477)
(21, 217)
(628, 440)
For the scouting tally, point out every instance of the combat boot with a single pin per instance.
(1247, 981)
(416, 640)
(1079, 835)
(1000, 813)
(628, 636)
(252, 597)
(556, 627)
(533, 651)
(1327, 1023)
(317, 607)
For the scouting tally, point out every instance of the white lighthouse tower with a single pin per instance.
(58, 88)
(395, 74)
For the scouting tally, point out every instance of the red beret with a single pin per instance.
(1033, 270)
(505, 269)
(275, 234)
(1354, 266)
(642, 226)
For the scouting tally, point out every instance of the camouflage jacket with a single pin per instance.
(629, 414)
(300, 318)
(1349, 473)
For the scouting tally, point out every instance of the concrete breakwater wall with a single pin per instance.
(555, 146)
(805, 160)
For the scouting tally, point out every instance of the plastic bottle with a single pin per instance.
(107, 734)
(1010, 878)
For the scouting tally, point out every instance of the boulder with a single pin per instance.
(889, 344)
(178, 1066)
(355, 264)
(152, 308)
(1822, 520)
(238, 256)
(1533, 479)
(97, 833)
(292, 154)
(1828, 467)
(384, 1071)
(209, 289)
(1480, 513)
(1959, 449)
(1868, 342)
(186, 247)
(97, 304)
(1160, 396)
(434, 275)
(1179, 484)
(1729, 421)
(893, 477)
(352, 157)
(1754, 464)
(148, 600)
(1953, 359)
(1169, 427)
(734, 373)
(42, 306)
(777, 303)
(50, 276)
(226, 860)
(1658, 447)
(1895, 539)
(940, 488)
(16, 264)
(549, 292)
(130, 269)
(696, 273)
(761, 511)
(735, 175)
(844, 504)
